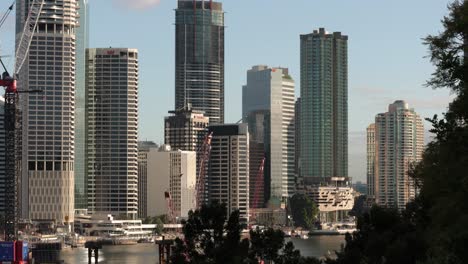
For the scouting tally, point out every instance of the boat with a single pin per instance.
(339, 228)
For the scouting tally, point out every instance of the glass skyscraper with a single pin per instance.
(82, 42)
(199, 61)
(272, 90)
(324, 105)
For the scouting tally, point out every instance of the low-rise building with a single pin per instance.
(333, 196)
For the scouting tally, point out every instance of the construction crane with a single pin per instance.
(12, 118)
(259, 182)
(170, 207)
(204, 153)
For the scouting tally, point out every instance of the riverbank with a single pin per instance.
(318, 246)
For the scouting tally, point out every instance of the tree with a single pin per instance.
(432, 229)
(303, 210)
(205, 241)
(211, 238)
(265, 244)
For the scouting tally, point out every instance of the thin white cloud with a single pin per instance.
(137, 4)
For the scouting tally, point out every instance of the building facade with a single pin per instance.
(272, 90)
(143, 149)
(259, 182)
(185, 129)
(48, 118)
(297, 141)
(199, 58)
(399, 143)
(172, 171)
(370, 161)
(111, 129)
(324, 105)
(82, 43)
(228, 171)
(334, 198)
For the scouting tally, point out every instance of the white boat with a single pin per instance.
(339, 228)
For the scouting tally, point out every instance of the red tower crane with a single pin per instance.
(258, 186)
(204, 153)
(259, 182)
(12, 120)
(170, 207)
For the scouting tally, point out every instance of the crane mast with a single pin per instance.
(12, 122)
(259, 181)
(204, 153)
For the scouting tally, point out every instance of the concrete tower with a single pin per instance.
(399, 143)
(47, 183)
(111, 129)
(230, 184)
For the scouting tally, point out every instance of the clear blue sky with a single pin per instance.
(386, 55)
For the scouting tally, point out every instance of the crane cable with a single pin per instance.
(5, 15)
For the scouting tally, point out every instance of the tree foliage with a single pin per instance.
(303, 210)
(433, 228)
(209, 237)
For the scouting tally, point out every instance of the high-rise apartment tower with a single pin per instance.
(48, 118)
(111, 130)
(399, 143)
(324, 105)
(199, 58)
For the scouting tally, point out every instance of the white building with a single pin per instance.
(399, 143)
(272, 90)
(334, 198)
(143, 149)
(112, 131)
(228, 172)
(48, 118)
(172, 171)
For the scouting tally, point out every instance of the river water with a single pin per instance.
(316, 246)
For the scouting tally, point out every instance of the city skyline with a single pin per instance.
(370, 88)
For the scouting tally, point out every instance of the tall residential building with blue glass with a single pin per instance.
(199, 60)
(82, 42)
(324, 105)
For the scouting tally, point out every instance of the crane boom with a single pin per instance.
(204, 153)
(24, 42)
(258, 185)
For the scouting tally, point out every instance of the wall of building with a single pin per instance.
(48, 132)
(324, 105)
(228, 173)
(399, 135)
(112, 131)
(171, 171)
